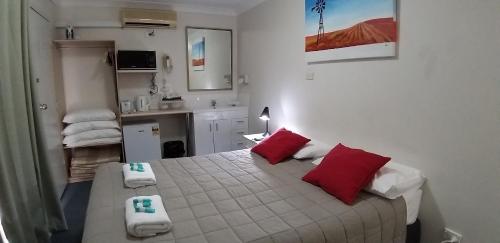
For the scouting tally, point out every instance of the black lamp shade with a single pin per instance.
(265, 114)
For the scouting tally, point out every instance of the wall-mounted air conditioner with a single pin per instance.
(148, 18)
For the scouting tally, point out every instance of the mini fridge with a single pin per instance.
(142, 141)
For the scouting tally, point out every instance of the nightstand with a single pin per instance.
(253, 139)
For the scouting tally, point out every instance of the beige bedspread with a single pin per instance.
(239, 197)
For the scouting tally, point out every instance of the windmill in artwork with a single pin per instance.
(319, 7)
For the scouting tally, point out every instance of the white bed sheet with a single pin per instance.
(413, 199)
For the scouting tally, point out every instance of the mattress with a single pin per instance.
(239, 197)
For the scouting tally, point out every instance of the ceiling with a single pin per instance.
(229, 7)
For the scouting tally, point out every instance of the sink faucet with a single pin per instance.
(213, 103)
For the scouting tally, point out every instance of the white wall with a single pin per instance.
(436, 107)
(165, 41)
(88, 81)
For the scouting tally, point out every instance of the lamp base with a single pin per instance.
(265, 134)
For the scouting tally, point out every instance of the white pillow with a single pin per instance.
(313, 149)
(95, 142)
(318, 160)
(91, 135)
(394, 179)
(88, 126)
(89, 115)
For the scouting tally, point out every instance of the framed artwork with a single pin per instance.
(350, 29)
(198, 55)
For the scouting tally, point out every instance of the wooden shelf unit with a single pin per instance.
(84, 44)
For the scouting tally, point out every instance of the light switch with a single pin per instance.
(310, 75)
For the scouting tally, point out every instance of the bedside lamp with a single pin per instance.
(265, 117)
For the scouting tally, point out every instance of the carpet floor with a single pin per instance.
(75, 200)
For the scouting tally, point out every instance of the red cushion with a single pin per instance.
(279, 146)
(344, 172)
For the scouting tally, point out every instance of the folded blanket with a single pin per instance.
(95, 142)
(143, 224)
(96, 155)
(78, 171)
(134, 178)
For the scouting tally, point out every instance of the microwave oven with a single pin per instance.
(136, 60)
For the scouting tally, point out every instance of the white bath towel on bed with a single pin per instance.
(147, 224)
(134, 179)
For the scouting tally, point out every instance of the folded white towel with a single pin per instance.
(147, 224)
(134, 179)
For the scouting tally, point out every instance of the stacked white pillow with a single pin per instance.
(91, 127)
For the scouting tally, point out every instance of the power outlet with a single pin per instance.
(450, 234)
(309, 75)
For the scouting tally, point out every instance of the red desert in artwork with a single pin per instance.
(368, 32)
(198, 62)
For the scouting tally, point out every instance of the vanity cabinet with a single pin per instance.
(219, 130)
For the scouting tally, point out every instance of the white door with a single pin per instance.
(222, 135)
(42, 73)
(203, 136)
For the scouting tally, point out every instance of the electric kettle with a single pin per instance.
(142, 103)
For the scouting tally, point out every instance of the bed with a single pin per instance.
(239, 197)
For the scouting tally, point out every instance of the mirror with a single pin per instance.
(209, 59)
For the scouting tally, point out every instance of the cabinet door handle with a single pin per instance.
(210, 127)
(216, 126)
